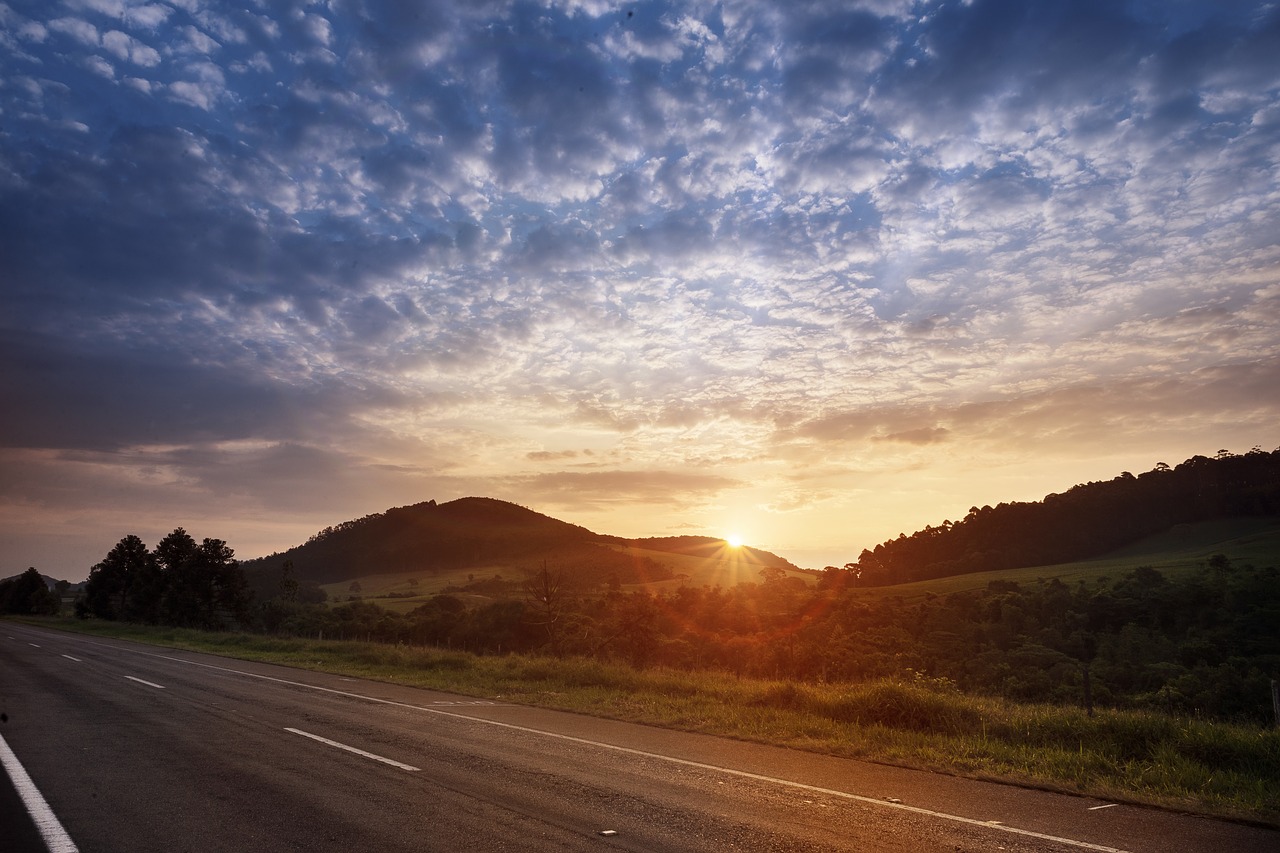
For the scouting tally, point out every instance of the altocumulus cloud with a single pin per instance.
(710, 250)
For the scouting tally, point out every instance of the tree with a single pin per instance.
(547, 595)
(107, 592)
(27, 593)
(288, 583)
(204, 585)
(175, 549)
(174, 553)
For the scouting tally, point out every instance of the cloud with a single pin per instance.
(702, 241)
(585, 489)
(128, 49)
(76, 28)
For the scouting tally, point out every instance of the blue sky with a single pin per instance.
(812, 273)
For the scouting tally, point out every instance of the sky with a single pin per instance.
(813, 274)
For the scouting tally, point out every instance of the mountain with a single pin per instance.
(480, 533)
(49, 582)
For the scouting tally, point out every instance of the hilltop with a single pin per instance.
(483, 534)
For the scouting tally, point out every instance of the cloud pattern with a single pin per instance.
(757, 260)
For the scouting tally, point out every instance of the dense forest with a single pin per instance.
(1083, 522)
(1203, 645)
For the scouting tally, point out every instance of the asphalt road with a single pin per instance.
(136, 749)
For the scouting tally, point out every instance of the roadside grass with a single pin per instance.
(1193, 765)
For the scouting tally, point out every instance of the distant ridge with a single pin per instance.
(473, 532)
(1086, 521)
(707, 548)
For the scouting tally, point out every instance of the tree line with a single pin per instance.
(180, 583)
(1204, 644)
(1085, 521)
(29, 594)
(1201, 644)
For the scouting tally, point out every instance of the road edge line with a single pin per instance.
(47, 823)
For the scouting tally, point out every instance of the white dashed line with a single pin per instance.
(69, 657)
(334, 743)
(148, 683)
(1084, 845)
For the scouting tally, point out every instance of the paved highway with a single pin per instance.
(135, 749)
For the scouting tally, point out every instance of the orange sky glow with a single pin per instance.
(813, 274)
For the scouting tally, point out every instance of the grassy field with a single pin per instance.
(403, 592)
(1208, 768)
(411, 589)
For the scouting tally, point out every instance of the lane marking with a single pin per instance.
(325, 740)
(1013, 830)
(34, 646)
(55, 837)
(1084, 845)
(789, 784)
(148, 683)
(1107, 806)
(69, 657)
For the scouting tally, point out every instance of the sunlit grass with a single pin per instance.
(1141, 757)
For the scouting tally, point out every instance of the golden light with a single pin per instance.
(733, 540)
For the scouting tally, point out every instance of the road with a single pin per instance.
(136, 748)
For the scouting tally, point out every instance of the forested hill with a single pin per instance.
(1085, 521)
(425, 536)
(484, 533)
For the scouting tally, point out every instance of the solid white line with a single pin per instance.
(1084, 845)
(790, 784)
(148, 683)
(55, 837)
(390, 761)
(69, 657)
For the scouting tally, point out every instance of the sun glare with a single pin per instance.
(733, 540)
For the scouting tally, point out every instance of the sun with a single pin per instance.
(733, 540)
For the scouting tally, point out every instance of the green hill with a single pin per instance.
(1085, 522)
(425, 548)
(1177, 552)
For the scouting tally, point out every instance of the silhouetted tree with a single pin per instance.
(28, 594)
(107, 592)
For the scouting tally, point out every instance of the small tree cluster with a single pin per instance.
(180, 583)
(28, 594)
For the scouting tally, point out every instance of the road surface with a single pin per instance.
(135, 748)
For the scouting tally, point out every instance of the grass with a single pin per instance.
(1187, 764)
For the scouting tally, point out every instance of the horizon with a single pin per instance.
(812, 275)
(733, 540)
